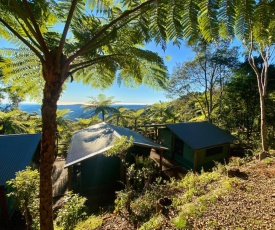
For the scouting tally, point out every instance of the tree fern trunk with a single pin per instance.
(52, 90)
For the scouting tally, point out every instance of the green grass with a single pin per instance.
(92, 222)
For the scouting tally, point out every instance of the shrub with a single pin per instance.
(25, 188)
(72, 212)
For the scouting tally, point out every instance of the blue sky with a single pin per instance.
(79, 93)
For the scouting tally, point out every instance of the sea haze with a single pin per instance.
(76, 110)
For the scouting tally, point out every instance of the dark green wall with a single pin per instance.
(208, 162)
(187, 159)
(165, 138)
(99, 171)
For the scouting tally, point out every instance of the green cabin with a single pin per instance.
(90, 172)
(17, 151)
(195, 145)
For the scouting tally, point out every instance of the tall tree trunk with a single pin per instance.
(263, 125)
(52, 90)
(262, 79)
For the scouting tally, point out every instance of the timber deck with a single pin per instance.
(170, 167)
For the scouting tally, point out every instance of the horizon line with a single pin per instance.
(85, 103)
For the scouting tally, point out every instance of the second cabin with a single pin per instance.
(195, 145)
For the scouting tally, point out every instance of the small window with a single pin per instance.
(214, 151)
(178, 147)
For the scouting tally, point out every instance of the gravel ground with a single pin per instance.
(249, 206)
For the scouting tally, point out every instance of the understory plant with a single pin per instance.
(138, 199)
(72, 212)
(25, 191)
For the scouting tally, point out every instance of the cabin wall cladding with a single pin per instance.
(207, 160)
(165, 138)
(98, 172)
(196, 145)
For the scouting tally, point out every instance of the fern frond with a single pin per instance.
(22, 71)
(226, 16)
(190, 19)
(174, 25)
(157, 25)
(244, 18)
(262, 22)
(208, 22)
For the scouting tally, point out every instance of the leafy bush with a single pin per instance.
(141, 180)
(25, 190)
(72, 212)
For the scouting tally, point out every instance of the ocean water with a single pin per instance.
(77, 110)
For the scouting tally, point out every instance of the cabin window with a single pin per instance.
(178, 147)
(214, 151)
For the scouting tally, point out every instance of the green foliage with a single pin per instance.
(92, 222)
(64, 131)
(119, 117)
(72, 212)
(120, 147)
(139, 181)
(156, 222)
(82, 123)
(25, 190)
(269, 160)
(17, 121)
(135, 117)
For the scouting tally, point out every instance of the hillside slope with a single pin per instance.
(238, 196)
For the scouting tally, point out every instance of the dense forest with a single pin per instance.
(101, 42)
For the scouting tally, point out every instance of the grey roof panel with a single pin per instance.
(16, 152)
(98, 138)
(200, 135)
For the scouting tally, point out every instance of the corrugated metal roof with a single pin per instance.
(98, 138)
(16, 152)
(199, 135)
